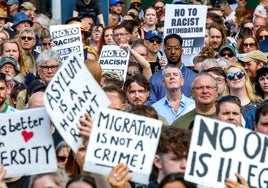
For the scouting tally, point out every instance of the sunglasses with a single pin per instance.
(227, 54)
(238, 74)
(249, 44)
(61, 158)
(158, 8)
(28, 38)
(132, 73)
(262, 37)
(155, 40)
(45, 44)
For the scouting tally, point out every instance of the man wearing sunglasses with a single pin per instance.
(228, 52)
(137, 5)
(153, 41)
(252, 62)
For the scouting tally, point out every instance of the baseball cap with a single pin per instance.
(11, 2)
(28, 6)
(179, 2)
(36, 85)
(153, 34)
(7, 59)
(135, 1)
(227, 46)
(255, 55)
(114, 2)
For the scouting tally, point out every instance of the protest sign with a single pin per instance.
(122, 138)
(219, 150)
(188, 21)
(67, 40)
(70, 94)
(26, 145)
(113, 58)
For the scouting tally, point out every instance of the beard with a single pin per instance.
(2, 100)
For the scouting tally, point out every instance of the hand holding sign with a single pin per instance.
(233, 184)
(119, 176)
(85, 127)
(2, 175)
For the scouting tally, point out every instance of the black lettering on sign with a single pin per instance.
(212, 137)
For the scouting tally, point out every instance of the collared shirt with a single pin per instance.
(158, 90)
(8, 108)
(165, 109)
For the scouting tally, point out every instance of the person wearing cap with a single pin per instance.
(13, 7)
(228, 52)
(116, 6)
(153, 41)
(10, 67)
(90, 8)
(253, 61)
(137, 5)
(29, 9)
(21, 21)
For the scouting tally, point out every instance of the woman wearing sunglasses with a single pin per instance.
(239, 85)
(248, 43)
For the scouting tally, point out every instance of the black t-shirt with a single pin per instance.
(92, 9)
(23, 182)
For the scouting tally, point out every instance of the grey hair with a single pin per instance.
(171, 66)
(209, 62)
(48, 55)
(28, 30)
(42, 19)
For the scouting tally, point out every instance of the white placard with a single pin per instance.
(113, 58)
(120, 137)
(26, 145)
(71, 93)
(67, 40)
(188, 21)
(219, 150)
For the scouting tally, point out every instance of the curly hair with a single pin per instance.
(174, 139)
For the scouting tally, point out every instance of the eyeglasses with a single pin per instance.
(229, 98)
(46, 44)
(25, 37)
(199, 88)
(52, 68)
(132, 73)
(155, 40)
(158, 8)
(220, 80)
(120, 34)
(176, 48)
(227, 54)
(61, 158)
(262, 37)
(249, 44)
(231, 75)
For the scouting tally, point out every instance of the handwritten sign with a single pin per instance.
(26, 145)
(71, 93)
(113, 58)
(219, 150)
(67, 40)
(188, 21)
(122, 138)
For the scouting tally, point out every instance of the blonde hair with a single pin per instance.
(23, 60)
(249, 88)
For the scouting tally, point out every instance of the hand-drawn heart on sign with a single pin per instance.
(27, 135)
